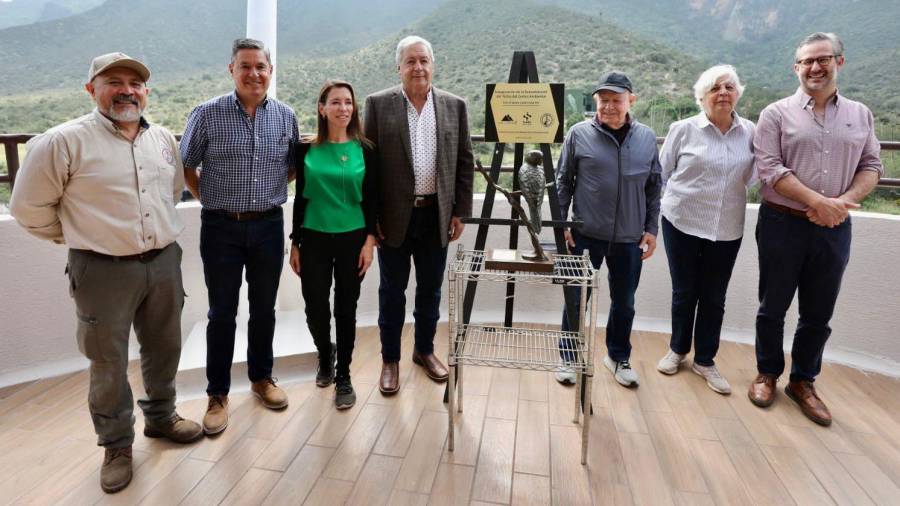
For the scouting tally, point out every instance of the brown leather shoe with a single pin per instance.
(269, 394)
(804, 394)
(390, 378)
(216, 418)
(433, 367)
(175, 429)
(115, 473)
(762, 390)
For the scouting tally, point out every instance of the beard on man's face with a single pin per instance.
(124, 108)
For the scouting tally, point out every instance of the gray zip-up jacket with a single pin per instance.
(616, 189)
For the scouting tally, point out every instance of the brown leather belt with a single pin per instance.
(144, 257)
(786, 210)
(245, 216)
(425, 200)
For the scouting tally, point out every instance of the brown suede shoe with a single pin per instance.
(115, 473)
(762, 390)
(269, 394)
(216, 418)
(175, 429)
(433, 367)
(390, 378)
(804, 394)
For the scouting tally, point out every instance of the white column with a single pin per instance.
(262, 24)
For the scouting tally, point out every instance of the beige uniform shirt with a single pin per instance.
(85, 184)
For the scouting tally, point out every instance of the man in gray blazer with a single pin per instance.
(421, 135)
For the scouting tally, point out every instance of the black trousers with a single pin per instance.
(422, 245)
(700, 269)
(323, 256)
(802, 258)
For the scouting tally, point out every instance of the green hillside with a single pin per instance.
(177, 38)
(473, 42)
(182, 40)
(759, 36)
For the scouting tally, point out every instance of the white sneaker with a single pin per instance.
(566, 375)
(622, 371)
(670, 363)
(714, 379)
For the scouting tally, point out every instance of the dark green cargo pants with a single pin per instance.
(110, 296)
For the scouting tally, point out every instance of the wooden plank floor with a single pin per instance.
(670, 441)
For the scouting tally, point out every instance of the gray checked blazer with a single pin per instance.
(386, 125)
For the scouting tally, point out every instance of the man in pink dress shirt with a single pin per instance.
(817, 157)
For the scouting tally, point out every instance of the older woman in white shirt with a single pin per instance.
(707, 163)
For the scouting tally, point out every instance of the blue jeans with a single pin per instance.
(423, 245)
(623, 262)
(227, 247)
(700, 270)
(797, 256)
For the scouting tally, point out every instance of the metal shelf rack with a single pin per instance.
(521, 347)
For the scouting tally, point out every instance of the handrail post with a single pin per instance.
(11, 147)
(12, 161)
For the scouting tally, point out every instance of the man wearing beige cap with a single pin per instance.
(106, 185)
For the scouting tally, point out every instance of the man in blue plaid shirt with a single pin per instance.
(242, 141)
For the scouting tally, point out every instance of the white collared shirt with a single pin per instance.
(85, 184)
(423, 143)
(706, 175)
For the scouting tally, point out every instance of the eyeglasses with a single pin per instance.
(823, 61)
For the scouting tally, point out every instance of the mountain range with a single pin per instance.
(473, 44)
(664, 44)
(759, 37)
(25, 12)
(176, 38)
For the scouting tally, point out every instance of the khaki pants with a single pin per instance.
(110, 296)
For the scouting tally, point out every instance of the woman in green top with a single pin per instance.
(334, 230)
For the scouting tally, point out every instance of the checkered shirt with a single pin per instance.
(244, 163)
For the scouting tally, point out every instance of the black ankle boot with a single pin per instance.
(325, 372)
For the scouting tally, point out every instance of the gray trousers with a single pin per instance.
(111, 295)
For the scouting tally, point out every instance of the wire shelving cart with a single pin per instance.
(521, 347)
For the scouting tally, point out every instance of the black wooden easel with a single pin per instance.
(522, 70)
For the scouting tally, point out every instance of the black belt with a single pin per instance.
(246, 215)
(144, 257)
(786, 210)
(425, 200)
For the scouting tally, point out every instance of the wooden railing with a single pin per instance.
(11, 147)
